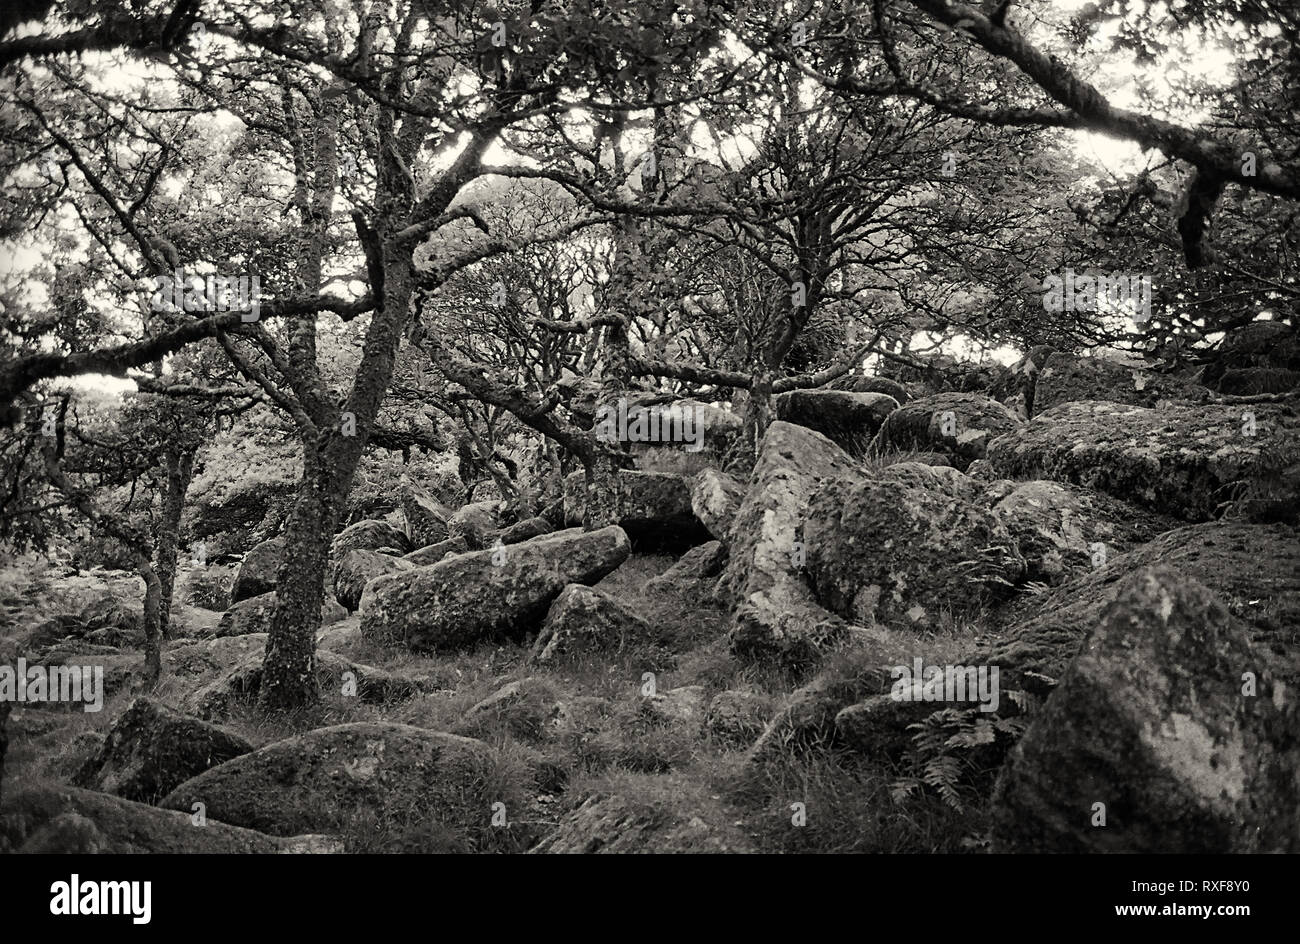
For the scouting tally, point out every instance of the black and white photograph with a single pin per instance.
(651, 427)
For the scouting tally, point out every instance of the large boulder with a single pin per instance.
(426, 517)
(368, 536)
(937, 478)
(1183, 460)
(683, 426)
(337, 677)
(254, 615)
(70, 821)
(654, 508)
(1255, 569)
(119, 616)
(436, 552)
(152, 749)
(350, 574)
(257, 572)
(476, 524)
(776, 616)
(959, 425)
(1259, 357)
(1069, 377)
(860, 383)
(715, 499)
(479, 595)
(1249, 381)
(525, 530)
(318, 781)
(850, 420)
(584, 619)
(1169, 733)
(1065, 530)
(884, 551)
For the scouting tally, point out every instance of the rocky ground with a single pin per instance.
(718, 673)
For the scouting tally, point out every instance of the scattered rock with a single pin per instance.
(67, 820)
(936, 478)
(692, 574)
(877, 727)
(436, 552)
(850, 420)
(257, 572)
(526, 529)
(654, 508)
(1186, 461)
(368, 536)
(254, 614)
(776, 616)
(1254, 569)
(340, 636)
(336, 676)
(583, 619)
(426, 518)
(350, 574)
(858, 383)
(959, 425)
(1069, 377)
(879, 550)
(715, 499)
(120, 619)
(1064, 530)
(483, 594)
(807, 719)
(316, 782)
(152, 749)
(476, 524)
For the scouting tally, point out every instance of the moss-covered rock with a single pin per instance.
(1191, 462)
(151, 749)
